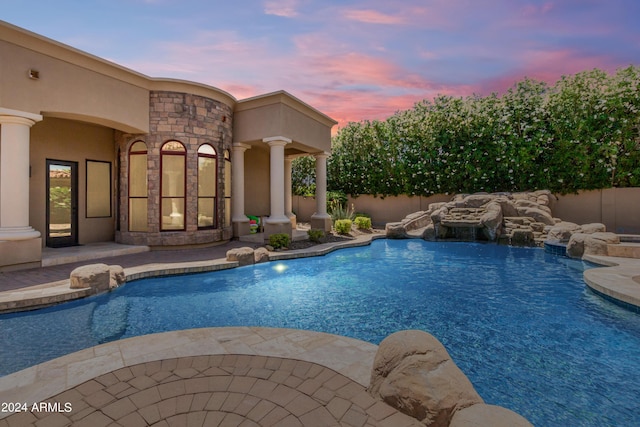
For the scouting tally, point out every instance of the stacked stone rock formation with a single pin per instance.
(512, 218)
(414, 373)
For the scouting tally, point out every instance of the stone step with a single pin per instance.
(624, 250)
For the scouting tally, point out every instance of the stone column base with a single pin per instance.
(321, 223)
(241, 228)
(20, 254)
(294, 221)
(277, 228)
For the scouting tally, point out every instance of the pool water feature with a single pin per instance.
(519, 322)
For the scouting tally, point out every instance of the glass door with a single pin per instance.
(62, 203)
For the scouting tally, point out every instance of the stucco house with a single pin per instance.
(91, 151)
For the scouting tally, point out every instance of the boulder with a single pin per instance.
(594, 227)
(116, 276)
(413, 373)
(522, 237)
(575, 247)
(243, 255)
(537, 214)
(429, 233)
(597, 243)
(94, 276)
(478, 200)
(491, 219)
(395, 230)
(483, 415)
(562, 231)
(508, 206)
(261, 255)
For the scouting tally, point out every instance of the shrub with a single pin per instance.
(338, 211)
(315, 235)
(343, 226)
(280, 240)
(362, 222)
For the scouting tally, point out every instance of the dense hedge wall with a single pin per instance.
(581, 133)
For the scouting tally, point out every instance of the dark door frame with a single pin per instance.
(72, 239)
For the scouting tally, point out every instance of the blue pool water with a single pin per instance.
(520, 323)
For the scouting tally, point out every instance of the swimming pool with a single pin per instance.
(520, 323)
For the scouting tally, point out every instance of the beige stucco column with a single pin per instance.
(239, 219)
(20, 244)
(288, 210)
(14, 174)
(320, 219)
(277, 222)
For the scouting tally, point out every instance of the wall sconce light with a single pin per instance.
(34, 74)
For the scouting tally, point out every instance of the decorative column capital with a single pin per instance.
(321, 155)
(275, 141)
(8, 115)
(239, 146)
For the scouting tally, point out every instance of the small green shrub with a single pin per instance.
(280, 240)
(362, 222)
(343, 226)
(315, 235)
(338, 211)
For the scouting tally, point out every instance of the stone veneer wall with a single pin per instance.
(193, 120)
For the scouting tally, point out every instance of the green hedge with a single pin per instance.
(581, 133)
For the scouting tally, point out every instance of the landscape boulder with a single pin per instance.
(244, 255)
(597, 243)
(116, 276)
(483, 415)
(414, 373)
(261, 255)
(94, 276)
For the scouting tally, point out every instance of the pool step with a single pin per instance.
(624, 250)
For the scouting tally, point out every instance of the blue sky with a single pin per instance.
(353, 60)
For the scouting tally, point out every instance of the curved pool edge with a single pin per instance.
(348, 356)
(615, 280)
(48, 294)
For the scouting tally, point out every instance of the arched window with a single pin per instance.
(207, 186)
(172, 201)
(138, 194)
(227, 188)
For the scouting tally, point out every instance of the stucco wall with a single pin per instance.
(257, 194)
(68, 140)
(617, 208)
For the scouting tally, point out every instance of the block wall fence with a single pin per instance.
(617, 208)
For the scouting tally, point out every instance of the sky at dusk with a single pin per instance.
(352, 60)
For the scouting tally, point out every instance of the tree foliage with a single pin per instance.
(581, 133)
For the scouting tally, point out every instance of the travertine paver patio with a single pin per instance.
(214, 376)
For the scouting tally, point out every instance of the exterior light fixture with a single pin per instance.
(34, 74)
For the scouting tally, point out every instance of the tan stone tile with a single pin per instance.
(214, 370)
(229, 360)
(95, 419)
(99, 399)
(338, 407)
(263, 388)
(117, 388)
(260, 410)
(243, 361)
(196, 385)
(134, 419)
(398, 419)
(200, 401)
(349, 390)
(354, 417)
(336, 382)
(232, 420)
(169, 364)
(301, 369)
(319, 417)
(196, 419)
(309, 386)
(151, 414)
(274, 416)
(123, 374)
(89, 387)
(380, 410)
(282, 395)
(80, 414)
(246, 405)
(260, 373)
(241, 384)
(167, 407)
(273, 363)
(179, 420)
(184, 362)
(280, 376)
(258, 362)
(232, 401)
(186, 372)
(119, 408)
(301, 405)
(324, 395)
(53, 420)
(108, 379)
(364, 399)
(146, 397)
(142, 382)
(171, 389)
(293, 381)
(216, 401)
(290, 421)
(214, 418)
(183, 403)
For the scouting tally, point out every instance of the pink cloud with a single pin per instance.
(284, 8)
(372, 17)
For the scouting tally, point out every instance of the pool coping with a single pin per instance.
(617, 279)
(44, 295)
